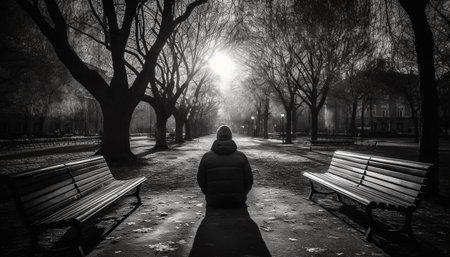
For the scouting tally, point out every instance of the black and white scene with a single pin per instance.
(225, 128)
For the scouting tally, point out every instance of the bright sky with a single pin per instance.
(222, 65)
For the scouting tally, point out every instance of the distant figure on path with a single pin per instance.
(224, 174)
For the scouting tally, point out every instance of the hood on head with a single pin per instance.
(224, 147)
(224, 133)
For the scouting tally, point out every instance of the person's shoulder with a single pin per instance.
(240, 153)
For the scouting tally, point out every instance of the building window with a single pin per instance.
(384, 112)
(400, 112)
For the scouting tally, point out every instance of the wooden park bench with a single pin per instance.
(66, 195)
(374, 182)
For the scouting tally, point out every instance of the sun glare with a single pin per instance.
(223, 66)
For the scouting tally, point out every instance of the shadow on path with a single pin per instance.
(228, 232)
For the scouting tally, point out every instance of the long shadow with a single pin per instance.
(228, 232)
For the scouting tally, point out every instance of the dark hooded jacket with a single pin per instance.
(225, 175)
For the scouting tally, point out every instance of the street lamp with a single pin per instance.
(282, 128)
(253, 125)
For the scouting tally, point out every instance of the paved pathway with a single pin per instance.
(167, 223)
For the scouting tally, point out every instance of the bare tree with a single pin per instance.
(150, 24)
(424, 44)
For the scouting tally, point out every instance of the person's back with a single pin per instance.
(224, 174)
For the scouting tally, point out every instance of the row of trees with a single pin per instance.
(153, 51)
(300, 51)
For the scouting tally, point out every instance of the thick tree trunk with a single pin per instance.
(424, 43)
(444, 118)
(160, 133)
(416, 124)
(258, 122)
(314, 122)
(353, 119)
(188, 131)
(116, 133)
(179, 124)
(294, 121)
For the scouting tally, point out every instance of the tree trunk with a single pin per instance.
(363, 107)
(288, 131)
(314, 122)
(424, 43)
(179, 124)
(416, 127)
(116, 133)
(258, 122)
(294, 121)
(266, 119)
(353, 119)
(188, 130)
(160, 133)
(444, 118)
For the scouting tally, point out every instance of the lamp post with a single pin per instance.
(253, 125)
(282, 128)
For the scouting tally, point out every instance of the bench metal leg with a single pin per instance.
(137, 194)
(34, 244)
(79, 249)
(407, 226)
(314, 191)
(370, 224)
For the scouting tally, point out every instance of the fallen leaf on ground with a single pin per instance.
(117, 252)
(199, 205)
(315, 249)
(131, 223)
(266, 228)
(292, 239)
(289, 220)
(163, 247)
(142, 230)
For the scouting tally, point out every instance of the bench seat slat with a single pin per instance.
(369, 193)
(84, 204)
(382, 200)
(341, 190)
(89, 204)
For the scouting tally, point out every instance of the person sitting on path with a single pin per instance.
(224, 174)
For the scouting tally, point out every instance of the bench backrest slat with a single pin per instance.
(401, 179)
(345, 174)
(90, 174)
